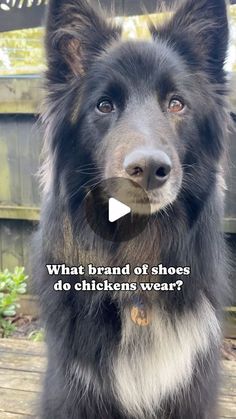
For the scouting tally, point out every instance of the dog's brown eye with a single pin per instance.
(105, 106)
(175, 105)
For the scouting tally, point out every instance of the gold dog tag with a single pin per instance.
(141, 314)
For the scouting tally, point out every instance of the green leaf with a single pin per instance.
(10, 312)
(12, 285)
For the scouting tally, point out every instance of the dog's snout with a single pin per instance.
(151, 169)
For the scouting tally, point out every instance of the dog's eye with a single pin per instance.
(175, 105)
(105, 106)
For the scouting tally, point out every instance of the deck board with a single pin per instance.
(22, 364)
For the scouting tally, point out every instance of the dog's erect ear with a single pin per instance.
(75, 34)
(199, 30)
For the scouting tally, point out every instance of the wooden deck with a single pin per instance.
(22, 364)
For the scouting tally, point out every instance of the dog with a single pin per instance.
(153, 112)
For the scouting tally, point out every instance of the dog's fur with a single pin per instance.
(100, 364)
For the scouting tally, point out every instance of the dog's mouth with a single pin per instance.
(142, 201)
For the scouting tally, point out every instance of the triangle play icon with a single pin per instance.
(117, 210)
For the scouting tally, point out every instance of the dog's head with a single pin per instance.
(150, 111)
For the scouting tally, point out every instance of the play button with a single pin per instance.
(117, 209)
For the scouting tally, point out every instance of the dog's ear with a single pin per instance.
(199, 30)
(75, 34)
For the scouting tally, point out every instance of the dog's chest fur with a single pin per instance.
(156, 361)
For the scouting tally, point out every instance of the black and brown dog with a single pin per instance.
(160, 106)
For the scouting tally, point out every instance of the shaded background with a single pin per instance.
(21, 65)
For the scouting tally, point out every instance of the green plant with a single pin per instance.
(6, 328)
(12, 284)
(37, 335)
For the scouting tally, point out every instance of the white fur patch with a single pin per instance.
(158, 360)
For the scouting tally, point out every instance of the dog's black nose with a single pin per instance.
(151, 169)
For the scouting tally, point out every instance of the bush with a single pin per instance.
(12, 284)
